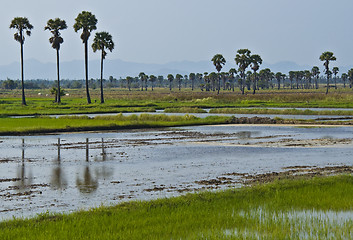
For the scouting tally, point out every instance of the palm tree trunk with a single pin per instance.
(58, 98)
(328, 82)
(22, 74)
(86, 71)
(102, 58)
(219, 83)
(254, 83)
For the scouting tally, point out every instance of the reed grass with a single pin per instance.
(285, 209)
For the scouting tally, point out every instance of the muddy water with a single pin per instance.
(68, 172)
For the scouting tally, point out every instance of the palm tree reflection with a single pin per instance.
(25, 181)
(58, 180)
(88, 184)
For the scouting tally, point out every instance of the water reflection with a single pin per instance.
(58, 180)
(244, 134)
(87, 150)
(88, 184)
(103, 171)
(25, 179)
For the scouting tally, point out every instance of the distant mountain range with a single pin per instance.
(118, 68)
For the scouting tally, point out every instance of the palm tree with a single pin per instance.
(335, 72)
(279, 77)
(308, 75)
(218, 61)
(344, 79)
(232, 72)
(256, 60)
(179, 78)
(87, 22)
(54, 26)
(316, 72)
(21, 24)
(186, 79)
(128, 81)
(206, 79)
(350, 77)
(327, 57)
(192, 77)
(102, 41)
(142, 78)
(160, 80)
(170, 79)
(291, 78)
(242, 59)
(153, 78)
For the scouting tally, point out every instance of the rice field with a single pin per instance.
(317, 208)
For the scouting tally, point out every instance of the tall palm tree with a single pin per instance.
(142, 77)
(21, 24)
(153, 78)
(232, 72)
(179, 79)
(54, 26)
(350, 77)
(88, 23)
(242, 59)
(335, 71)
(316, 72)
(128, 82)
(344, 79)
(279, 77)
(206, 79)
(102, 41)
(327, 57)
(291, 78)
(307, 75)
(255, 60)
(218, 61)
(170, 78)
(192, 77)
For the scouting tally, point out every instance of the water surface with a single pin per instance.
(68, 172)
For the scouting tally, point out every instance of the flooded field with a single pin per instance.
(68, 172)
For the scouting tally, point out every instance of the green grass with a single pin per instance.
(281, 111)
(119, 100)
(13, 126)
(286, 209)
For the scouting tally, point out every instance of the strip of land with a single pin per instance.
(42, 125)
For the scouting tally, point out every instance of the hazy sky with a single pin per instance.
(160, 31)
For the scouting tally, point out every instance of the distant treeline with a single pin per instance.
(200, 81)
